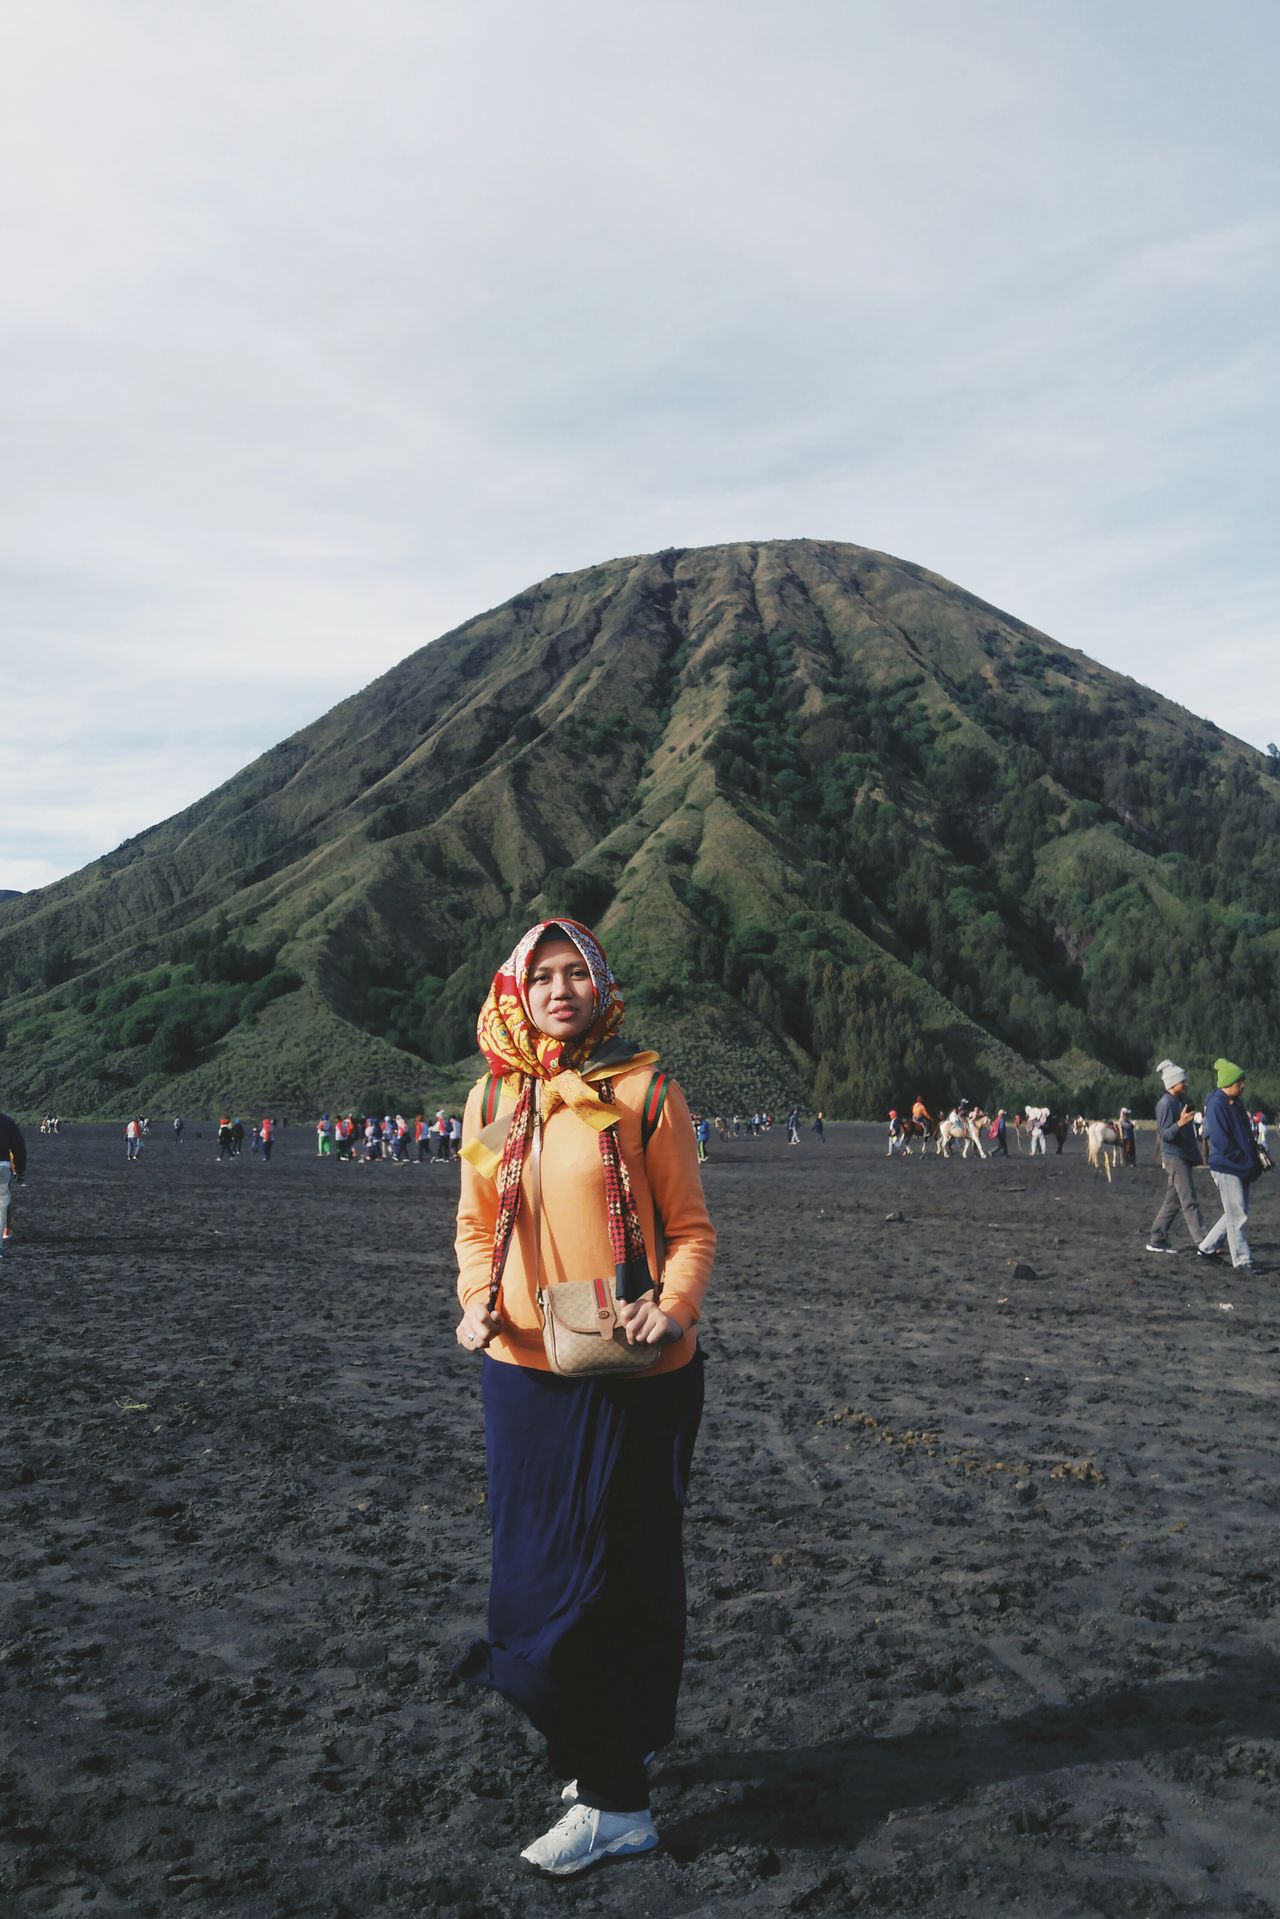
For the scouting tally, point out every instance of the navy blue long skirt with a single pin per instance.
(588, 1481)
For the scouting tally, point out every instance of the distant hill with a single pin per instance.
(848, 832)
(9, 893)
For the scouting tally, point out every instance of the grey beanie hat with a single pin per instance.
(1171, 1075)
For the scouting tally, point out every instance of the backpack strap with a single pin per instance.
(489, 1099)
(654, 1101)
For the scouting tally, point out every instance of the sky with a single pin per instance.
(326, 326)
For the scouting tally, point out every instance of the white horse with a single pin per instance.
(959, 1126)
(1104, 1144)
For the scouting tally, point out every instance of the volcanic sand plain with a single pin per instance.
(983, 1558)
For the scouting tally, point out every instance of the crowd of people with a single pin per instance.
(1222, 1135)
(362, 1138)
(366, 1138)
(966, 1125)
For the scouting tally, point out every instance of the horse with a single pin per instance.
(922, 1129)
(1104, 1142)
(960, 1126)
(1042, 1122)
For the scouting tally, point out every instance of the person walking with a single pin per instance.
(267, 1135)
(574, 1149)
(818, 1126)
(999, 1134)
(1234, 1163)
(13, 1170)
(1128, 1138)
(133, 1140)
(1175, 1131)
(179, 1128)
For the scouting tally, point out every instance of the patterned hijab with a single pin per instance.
(512, 1044)
(516, 1048)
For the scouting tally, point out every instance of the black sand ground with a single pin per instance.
(984, 1567)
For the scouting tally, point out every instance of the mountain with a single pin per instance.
(847, 831)
(9, 893)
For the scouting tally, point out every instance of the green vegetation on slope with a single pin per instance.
(849, 832)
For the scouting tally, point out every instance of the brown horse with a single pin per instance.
(922, 1129)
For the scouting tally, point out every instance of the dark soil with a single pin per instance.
(984, 1569)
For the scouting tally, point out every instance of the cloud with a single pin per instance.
(322, 332)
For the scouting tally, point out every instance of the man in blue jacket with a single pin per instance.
(1176, 1134)
(1233, 1162)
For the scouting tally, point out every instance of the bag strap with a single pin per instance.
(489, 1099)
(654, 1100)
(535, 1183)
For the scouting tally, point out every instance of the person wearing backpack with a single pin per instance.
(1234, 1164)
(580, 1170)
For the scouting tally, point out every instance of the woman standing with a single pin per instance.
(576, 1157)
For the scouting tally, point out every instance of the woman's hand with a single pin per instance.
(647, 1325)
(477, 1327)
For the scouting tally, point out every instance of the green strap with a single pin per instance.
(654, 1101)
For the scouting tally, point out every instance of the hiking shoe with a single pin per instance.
(1153, 1248)
(586, 1835)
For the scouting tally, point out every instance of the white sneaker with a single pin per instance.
(585, 1835)
(1153, 1248)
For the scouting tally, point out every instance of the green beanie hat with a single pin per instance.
(1228, 1072)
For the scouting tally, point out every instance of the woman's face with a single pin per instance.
(562, 999)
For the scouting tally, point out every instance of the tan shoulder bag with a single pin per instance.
(581, 1328)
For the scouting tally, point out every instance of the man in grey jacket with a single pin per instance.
(1176, 1134)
